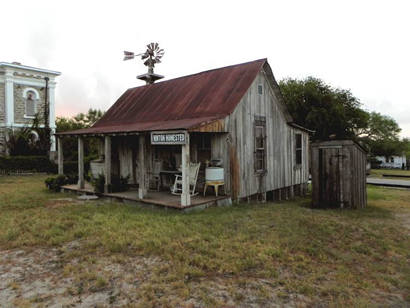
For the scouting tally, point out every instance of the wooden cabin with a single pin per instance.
(235, 115)
(339, 174)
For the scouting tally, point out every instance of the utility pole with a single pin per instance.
(47, 143)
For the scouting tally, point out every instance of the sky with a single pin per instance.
(359, 45)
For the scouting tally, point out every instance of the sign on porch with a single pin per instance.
(168, 137)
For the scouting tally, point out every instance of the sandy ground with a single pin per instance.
(41, 278)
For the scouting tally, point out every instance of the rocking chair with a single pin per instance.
(176, 189)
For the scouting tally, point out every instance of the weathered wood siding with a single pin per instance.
(338, 174)
(127, 156)
(237, 147)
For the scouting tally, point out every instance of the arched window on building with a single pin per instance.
(31, 98)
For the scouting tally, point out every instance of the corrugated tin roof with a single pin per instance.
(181, 103)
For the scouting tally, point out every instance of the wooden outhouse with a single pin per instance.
(338, 169)
(234, 115)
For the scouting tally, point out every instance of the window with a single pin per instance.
(260, 89)
(298, 149)
(31, 98)
(260, 143)
(30, 104)
(392, 159)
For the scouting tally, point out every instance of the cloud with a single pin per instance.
(41, 45)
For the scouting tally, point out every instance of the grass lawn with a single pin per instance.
(247, 254)
(378, 173)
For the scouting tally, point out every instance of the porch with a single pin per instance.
(154, 163)
(161, 199)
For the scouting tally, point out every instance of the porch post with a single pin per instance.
(60, 156)
(142, 168)
(107, 164)
(80, 162)
(185, 196)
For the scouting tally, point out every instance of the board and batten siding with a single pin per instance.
(237, 148)
(338, 174)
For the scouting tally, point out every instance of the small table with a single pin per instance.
(215, 184)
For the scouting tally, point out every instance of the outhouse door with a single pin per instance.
(330, 176)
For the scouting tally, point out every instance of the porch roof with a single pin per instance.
(184, 124)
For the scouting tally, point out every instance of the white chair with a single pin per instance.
(176, 189)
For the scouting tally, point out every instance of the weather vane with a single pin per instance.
(152, 56)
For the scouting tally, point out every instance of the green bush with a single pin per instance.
(118, 183)
(54, 183)
(27, 163)
(98, 183)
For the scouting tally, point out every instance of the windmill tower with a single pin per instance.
(152, 56)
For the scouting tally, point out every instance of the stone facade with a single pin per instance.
(20, 103)
(2, 103)
(15, 81)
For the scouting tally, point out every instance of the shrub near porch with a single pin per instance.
(267, 251)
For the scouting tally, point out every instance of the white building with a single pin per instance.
(395, 161)
(22, 96)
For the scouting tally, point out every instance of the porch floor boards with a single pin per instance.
(161, 198)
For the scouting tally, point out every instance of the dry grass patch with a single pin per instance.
(242, 255)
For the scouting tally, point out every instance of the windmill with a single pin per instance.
(152, 56)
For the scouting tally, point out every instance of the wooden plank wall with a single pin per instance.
(280, 142)
(342, 181)
(236, 148)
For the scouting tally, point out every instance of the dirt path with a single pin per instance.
(41, 277)
(404, 218)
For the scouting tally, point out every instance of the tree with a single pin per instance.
(324, 109)
(88, 119)
(382, 135)
(79, 121)
(28, 140)
(381, 127)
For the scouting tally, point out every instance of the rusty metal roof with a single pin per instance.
(181, 103)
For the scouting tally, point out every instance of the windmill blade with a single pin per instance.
(128, 55)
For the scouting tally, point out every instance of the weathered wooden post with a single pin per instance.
(60, 156)
(107, 164)
(185, 196)
(142, 168)
(80, 162)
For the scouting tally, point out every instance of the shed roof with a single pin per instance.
(339, 142)
(181, 103)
